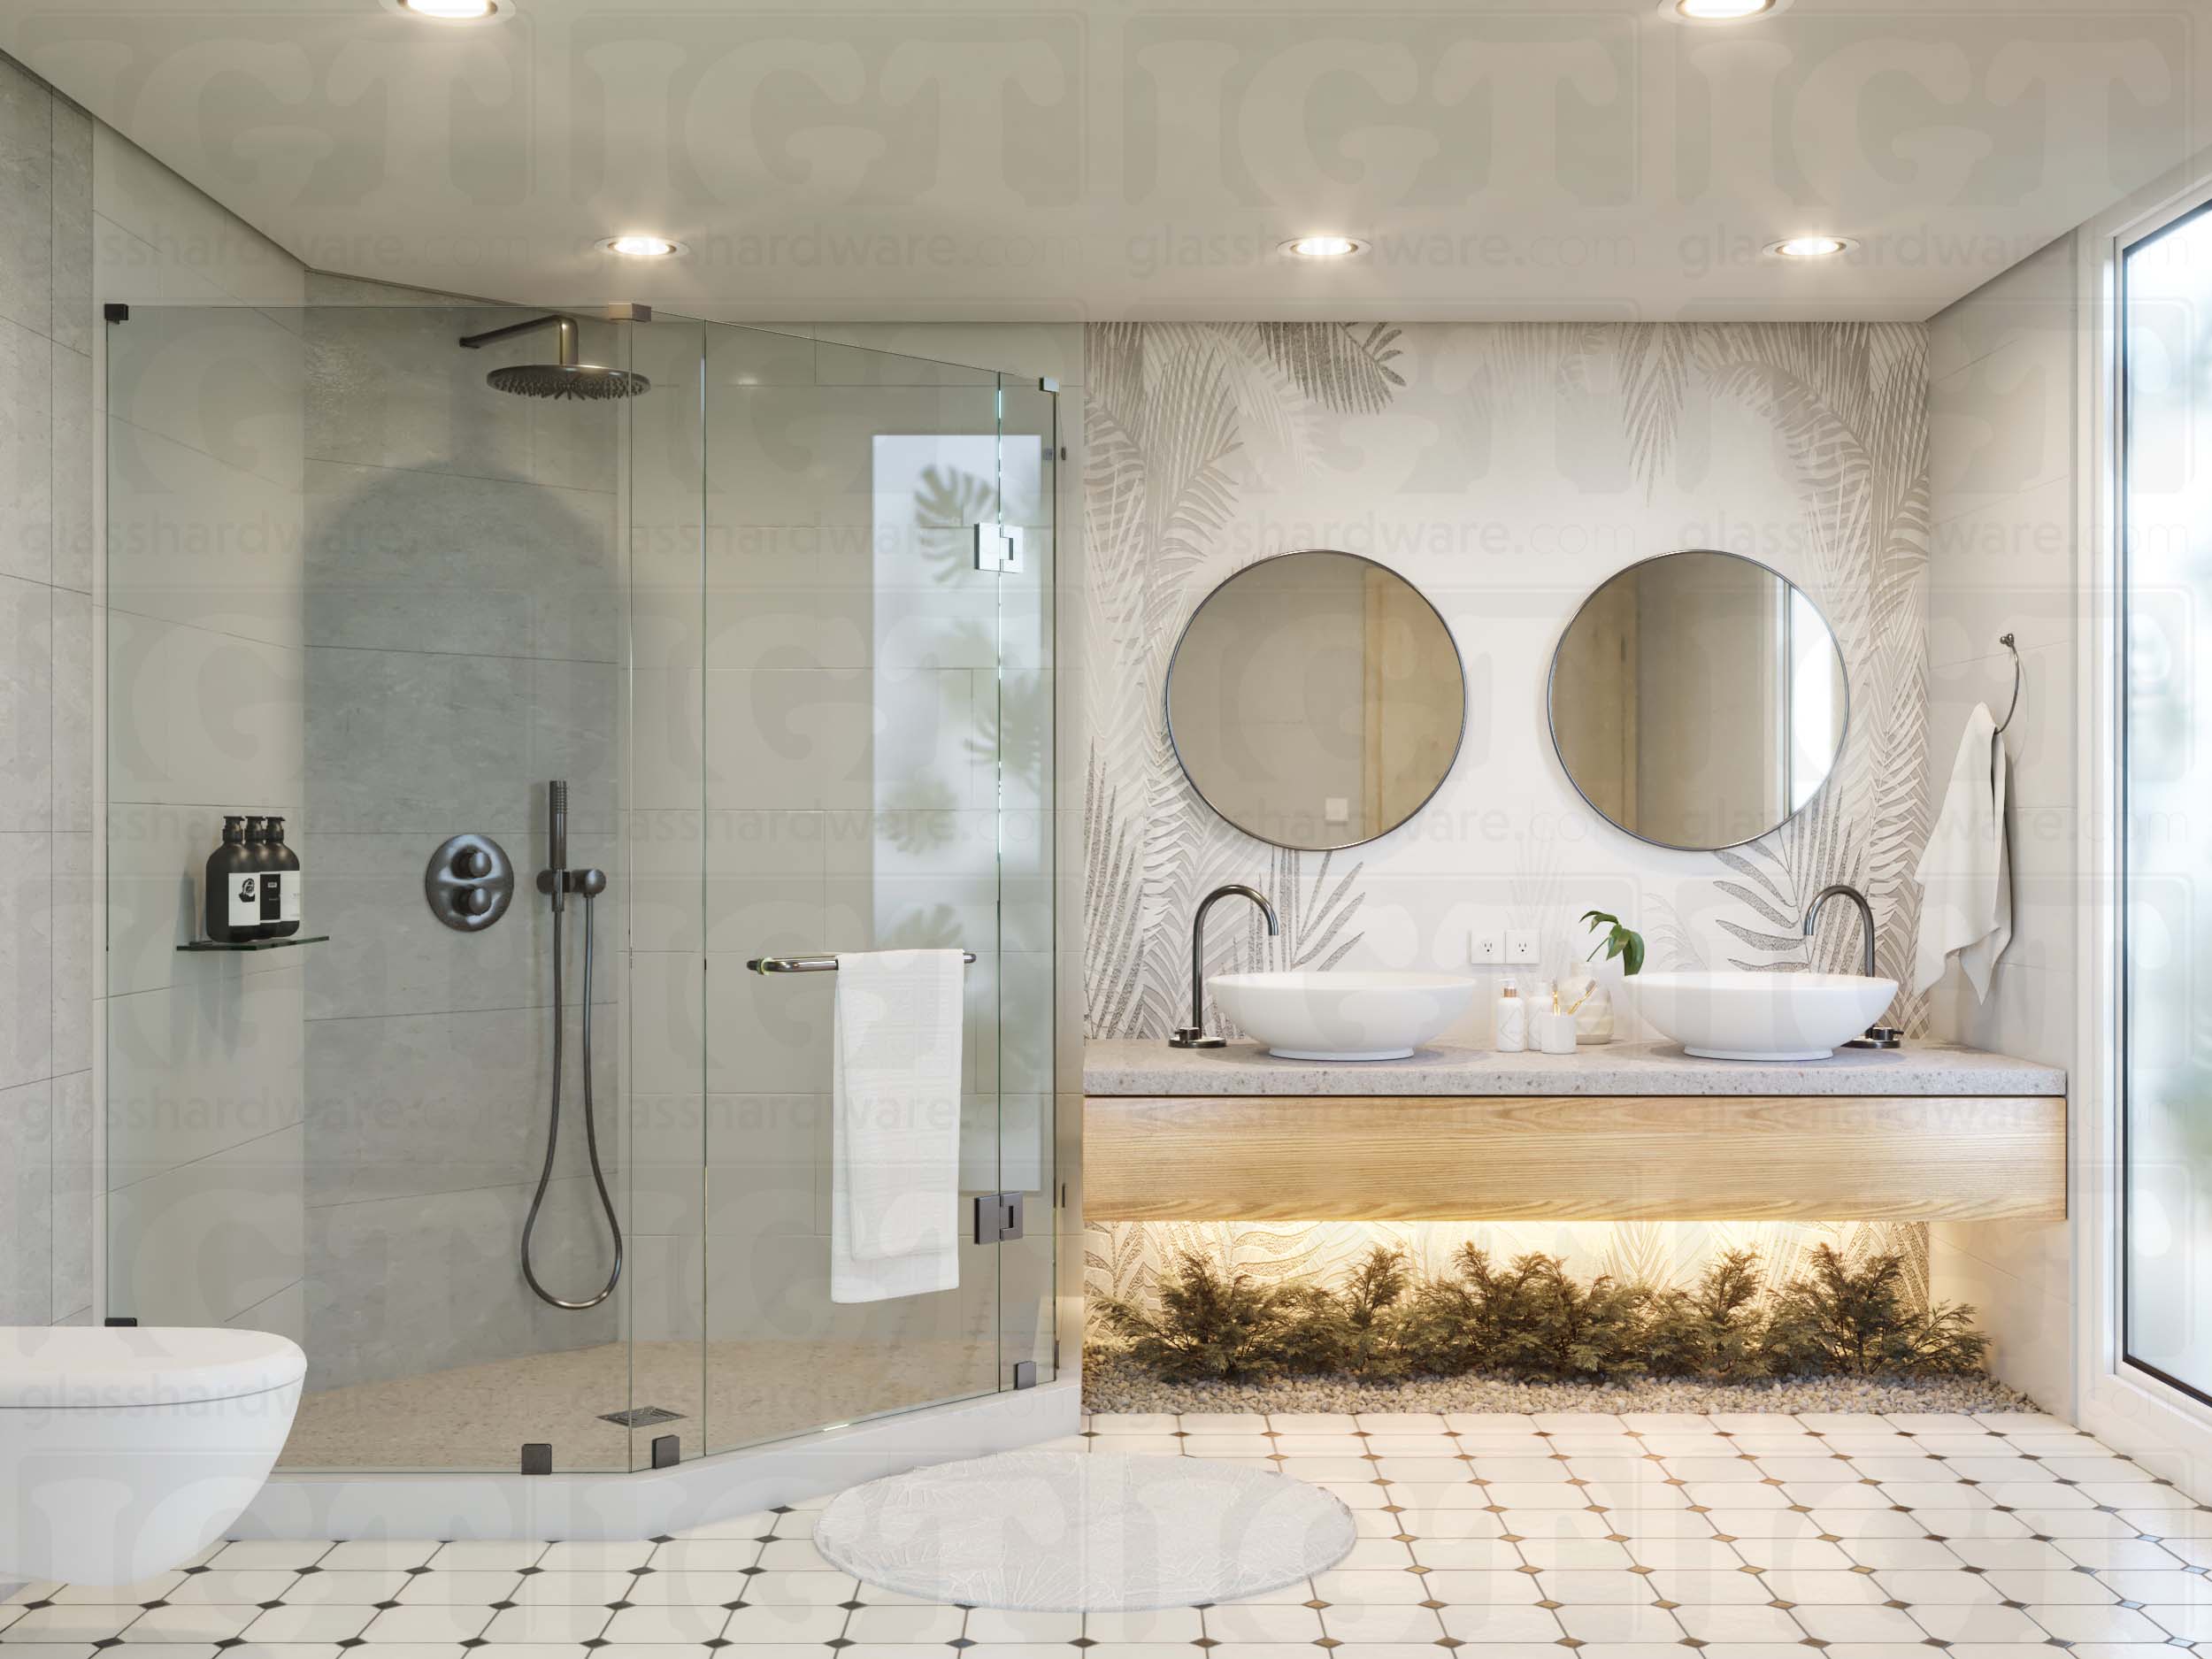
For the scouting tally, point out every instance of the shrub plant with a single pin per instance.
(1531, 1319)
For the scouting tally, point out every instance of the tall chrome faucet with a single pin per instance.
(1194, 1035)
(1876, 1036)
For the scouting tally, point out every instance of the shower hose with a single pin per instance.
(553, 1125)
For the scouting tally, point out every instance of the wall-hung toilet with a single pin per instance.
(126, 1452)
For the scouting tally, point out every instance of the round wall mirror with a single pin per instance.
(1316, 700)
(1698, 699)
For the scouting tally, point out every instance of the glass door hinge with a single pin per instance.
(998, 547)
(998, 1217)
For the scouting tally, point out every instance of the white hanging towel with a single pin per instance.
(895, 1187)
(1965, 874)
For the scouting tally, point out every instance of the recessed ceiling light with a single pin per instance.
(1721, 11)
(1324, 246)
(640, 246)
(454, 10)
(1810, 247)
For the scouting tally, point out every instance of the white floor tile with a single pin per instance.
(201, 1623)
(686, 1589)
(664, 1624)
(1246, 1624)
(89, 1621)
(2095, 1624)
(1858, 1623)
(725, 1554)
(475, 1589)
(753, 1626)
(216, 1584)
(1362, 1588)
(308, 1624)
(1711, 1623)
(1375, 1623)
(347, 1587)
(430, 1624)
(550, 1625)
(1164, 1624)
(569, 1557)
(800, 1589)
(1978, 1624)
(1620, 1624)
(466, 1556)
(249, 1552)
(1476, 1623)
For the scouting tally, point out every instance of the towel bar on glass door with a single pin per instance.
(810, 965)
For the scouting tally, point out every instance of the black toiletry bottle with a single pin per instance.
(285, 866)
(234, 889)
(258, 861)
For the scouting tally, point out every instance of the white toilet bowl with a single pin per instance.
(125, 1452)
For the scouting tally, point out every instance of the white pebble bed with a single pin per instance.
(1112, 1383)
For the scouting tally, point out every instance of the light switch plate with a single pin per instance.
(1520, 946)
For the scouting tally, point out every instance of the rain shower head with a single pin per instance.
(567, 378)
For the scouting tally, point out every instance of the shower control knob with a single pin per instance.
(469, 883)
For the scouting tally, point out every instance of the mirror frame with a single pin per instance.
(1167, 698)
(1551, 700)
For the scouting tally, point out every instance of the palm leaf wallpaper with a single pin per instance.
(1505, 470)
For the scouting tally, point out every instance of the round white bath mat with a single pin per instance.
(1077, 1533)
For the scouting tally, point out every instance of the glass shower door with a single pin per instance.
(856, 741)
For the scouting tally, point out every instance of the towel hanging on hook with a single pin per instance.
(2005, 639)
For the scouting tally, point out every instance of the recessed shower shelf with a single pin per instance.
(254, 944)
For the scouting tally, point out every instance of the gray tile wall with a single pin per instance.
(464, 635)
(2002, 423)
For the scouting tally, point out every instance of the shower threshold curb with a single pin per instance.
(646, 1504)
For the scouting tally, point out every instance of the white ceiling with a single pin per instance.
(1095, 159)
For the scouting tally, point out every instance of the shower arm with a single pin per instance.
(566, 353)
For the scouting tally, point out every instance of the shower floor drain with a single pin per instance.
(641, 1418)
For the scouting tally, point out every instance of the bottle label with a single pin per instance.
(288, 905)
(272, 885)
(245, 900)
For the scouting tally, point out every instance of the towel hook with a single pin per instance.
(2005, 639)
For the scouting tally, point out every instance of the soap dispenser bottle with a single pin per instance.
(264, 885)
(233, 890)
(284, 869)
(1512, 1020)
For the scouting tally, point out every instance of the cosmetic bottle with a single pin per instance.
(266, 886)
(285, 870)
(233, 905)
(1511, 1020)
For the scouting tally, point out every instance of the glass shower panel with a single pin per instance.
(2165, 780)
(1029, 473)
(351, 583)
(667, 850)
(852, 773)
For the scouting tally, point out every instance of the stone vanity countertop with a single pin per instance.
(1129, 1066)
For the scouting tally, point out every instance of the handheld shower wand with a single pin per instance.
(556, 881)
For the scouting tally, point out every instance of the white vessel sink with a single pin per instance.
(1351, 1015)
(1761, 1015)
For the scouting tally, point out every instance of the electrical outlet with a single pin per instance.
(1486, 950)
(1520, 946)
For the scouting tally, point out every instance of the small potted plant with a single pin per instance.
(1583, 994)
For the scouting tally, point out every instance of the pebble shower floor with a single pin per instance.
(1751, 1536)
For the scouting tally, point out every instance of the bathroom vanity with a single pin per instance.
(1630, 1131)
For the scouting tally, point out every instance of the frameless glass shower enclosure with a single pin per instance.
(777, 625)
